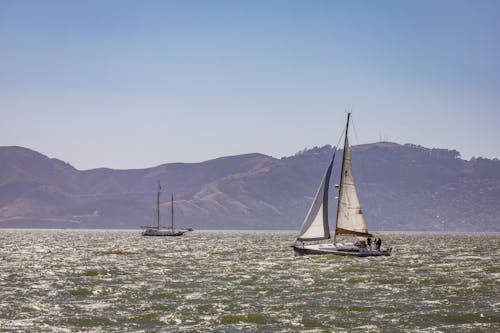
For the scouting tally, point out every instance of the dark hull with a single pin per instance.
(161, 233)
(300, 251)
(169, 235)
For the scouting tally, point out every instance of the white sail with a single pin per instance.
(350, 219)
(315, 225)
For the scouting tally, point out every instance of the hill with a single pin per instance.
(401, 187)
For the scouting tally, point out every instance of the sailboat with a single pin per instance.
(156, 230)
(349, 222)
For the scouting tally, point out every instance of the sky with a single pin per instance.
(135, 84)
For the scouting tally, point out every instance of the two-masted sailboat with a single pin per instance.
(157, 230)
(350, 221)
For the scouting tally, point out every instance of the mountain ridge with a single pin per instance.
(401, 187)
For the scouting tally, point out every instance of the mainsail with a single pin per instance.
(315, 226)
(350, 219)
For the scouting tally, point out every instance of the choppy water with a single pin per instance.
(118, 281)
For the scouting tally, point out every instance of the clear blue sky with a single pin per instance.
(132, 84)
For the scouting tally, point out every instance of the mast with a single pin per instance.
(158, 205)
(346, 142)
(172, 212)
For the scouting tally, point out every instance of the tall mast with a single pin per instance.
(172, 212)
(158, 204)
(341, 176)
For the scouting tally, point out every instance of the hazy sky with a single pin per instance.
(132, 84)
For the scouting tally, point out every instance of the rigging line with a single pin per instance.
(355, 132)
(330, 189)
(340, 138)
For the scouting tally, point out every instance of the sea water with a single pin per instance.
(120, 281)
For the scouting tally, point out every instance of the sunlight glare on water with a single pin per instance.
(118, 281)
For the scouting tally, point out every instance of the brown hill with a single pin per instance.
(401, 187)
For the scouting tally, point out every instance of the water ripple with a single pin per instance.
(118, 281)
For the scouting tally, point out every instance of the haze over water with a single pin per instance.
(118, 281)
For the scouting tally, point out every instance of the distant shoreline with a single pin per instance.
(256, 231)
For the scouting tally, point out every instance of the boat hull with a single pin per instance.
(160, 233)
(351, 251)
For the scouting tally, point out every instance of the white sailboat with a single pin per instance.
(157, 230)
(349, 221)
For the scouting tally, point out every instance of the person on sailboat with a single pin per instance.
(369, 242)
(360, 243)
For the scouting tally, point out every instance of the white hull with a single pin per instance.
(340, 250)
